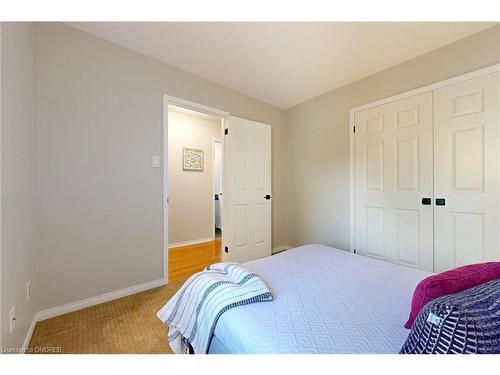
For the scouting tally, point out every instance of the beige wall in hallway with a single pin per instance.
(191, 200)
(318, 136)
(99, 117)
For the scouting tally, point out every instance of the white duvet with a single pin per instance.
(326, 301)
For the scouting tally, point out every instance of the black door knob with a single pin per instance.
(440, 202)
(267, 197)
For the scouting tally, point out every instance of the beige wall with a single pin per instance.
(191, 207)
(18, 259)
(318, 136)
(99, 118)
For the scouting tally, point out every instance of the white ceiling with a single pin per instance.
(283, 64)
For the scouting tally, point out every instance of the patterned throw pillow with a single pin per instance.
(449, 282)
(460, 323)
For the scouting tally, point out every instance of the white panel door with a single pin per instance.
(247, 189)
(467, 172)
(393, 163)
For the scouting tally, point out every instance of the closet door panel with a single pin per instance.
(393, 161)
(467, 172)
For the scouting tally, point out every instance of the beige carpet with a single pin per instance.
(126, 325)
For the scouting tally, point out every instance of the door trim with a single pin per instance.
(352, 162)
(167, 100)
(214, 141)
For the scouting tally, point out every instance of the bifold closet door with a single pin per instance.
(467, 172)
(393, 163)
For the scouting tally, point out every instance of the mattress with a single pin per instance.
(325, 301)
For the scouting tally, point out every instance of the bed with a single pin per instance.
(326, 301)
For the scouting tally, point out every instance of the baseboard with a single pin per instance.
(27, 340)
(279, 249)
(74, 306)
(187, 243)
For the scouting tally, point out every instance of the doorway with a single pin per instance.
(193, 156)
(245, 190)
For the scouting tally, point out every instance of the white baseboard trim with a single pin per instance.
(187, 243)
(279, 249)
(74, 306)
(28, 335)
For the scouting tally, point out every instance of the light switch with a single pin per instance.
(12, 319)
(155, 161)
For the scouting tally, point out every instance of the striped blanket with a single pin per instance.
(192, 313)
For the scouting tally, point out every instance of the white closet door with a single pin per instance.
(247, 188)
(467, 171)
(393, 162)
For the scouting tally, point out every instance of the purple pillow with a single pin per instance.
(449, 282)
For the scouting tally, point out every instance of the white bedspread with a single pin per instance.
(326, 301)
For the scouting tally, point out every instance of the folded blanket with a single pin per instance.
(192, 313)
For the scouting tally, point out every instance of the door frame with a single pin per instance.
(171, 100)
(214, 141)
(352, 162)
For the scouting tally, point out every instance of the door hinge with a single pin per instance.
(226, 131)
(354, 251)
(226, 249)
(354, 129)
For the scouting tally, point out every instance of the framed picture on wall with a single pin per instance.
(192, 159)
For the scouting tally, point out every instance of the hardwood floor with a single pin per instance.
(183, 261)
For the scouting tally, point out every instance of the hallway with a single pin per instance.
(184, 261)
